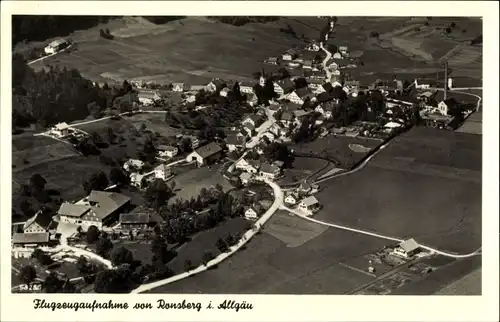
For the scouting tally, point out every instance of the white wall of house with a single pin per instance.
(246, 89)
(85, 224)
(194, 156)
(34, 228)
(250, 214)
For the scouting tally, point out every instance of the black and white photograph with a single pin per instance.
(266, 154)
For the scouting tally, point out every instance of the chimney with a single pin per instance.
(445, 80)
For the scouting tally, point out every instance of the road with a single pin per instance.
(45, 57)
(278, 201)
(328, 56)
(459, 91)
(263, 128)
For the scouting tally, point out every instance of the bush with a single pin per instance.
(374, 34)
(92, 234)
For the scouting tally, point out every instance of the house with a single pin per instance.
(195, 142)
(167, 151)
(314, 84)
(190, 99)
(313, 47)
(60, 130)
(133, 165)
(269, 171)
(252, 99)
(250, 213)
(262, 81)
(224, 92)
(233, 142)
(162, 172)
(314, 75)
(270, 136)
(290, 200)
(250, 166)
(309, 204)
(332, 65)
(249, 128)
(287, 118)
(300, 95)
(444, 107)
(407, 248)
(100, 208)
(337, 55)
(39, 223)
(215, 85)
(343, 49)
(246, 88)
(148, 98)
(319, 109)
(272, 61)
(178, 87)
(336, 72)
(279, 163)
(136, 179)
(135, 221)
(196, 88)
(274, 107)
(55, 46)
(324, 88)
(254, 119)
(300, 115)
(426, 96)
(206, 154)
(289, 55)
(291, 107)
(276, 130)
(245, 178)
(284, 86)
(307, 64)
(33, 240)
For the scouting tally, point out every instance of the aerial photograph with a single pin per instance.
(329, 155)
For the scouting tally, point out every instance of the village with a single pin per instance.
(311, 97)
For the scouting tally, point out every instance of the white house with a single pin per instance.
(269, 171)
(312, 47)
(56, 45)
(60, 129)
(246, 88)
(270, 136)
(136, 179)
(276, 130)
(248, 166)
(133, 165)
(309, 204)
(162, 172)
(167, 151)
(323, 88)
(336, 72)
(178, 87)
(337, 55)
(250, 213)
(206, 154)
(290, 200)
(443, 108)
(148, 97)
(343, 49)
(407, 248)
(333, 66)
(245, 178)
(224, 92)
(262, 81)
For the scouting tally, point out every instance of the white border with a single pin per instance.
(271, 307)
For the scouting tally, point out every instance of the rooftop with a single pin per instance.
(166, 148)
(19, 238)
(72, 210)
(310, 201)
(269, 168)
(44, 220)
(409, 245)
(134, 218)
(208, 150)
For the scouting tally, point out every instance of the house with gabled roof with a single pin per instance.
(136, 220)
(253, 119)
(233, 142)
(337, 55)
(215, 85)
(269, 171)
(325, 87)
(224, 92)
(245, 178)
(307, 64)
(289, 55)
(246, 87)
(309, 205)
(251, 166)
(206, 154)
(284, 86)
(167, 151)
(300, 95)
(287, 118)
(33, 240)
(100, 208)
(407, 248)
(179, 87)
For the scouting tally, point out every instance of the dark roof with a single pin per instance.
(247, 84)
(286, 84)
(208, 150)
(274, 106)
(303, 92)
(233, 139)
(44, 220)
(72, 210)
(106, 202)
(218, 82)
(165, 147)
(324, 97)
(249, 126)
(287, 116)
(451, 102)
(134, 218)
(268, 168)
(290, 107)
(30, 238)
(327, 86)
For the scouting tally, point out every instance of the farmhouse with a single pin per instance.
(136, 179)
(246, 88)
(250, 213)
(287, 118)
(251, 166)
(290, 200)
(167, 151)
(312, 47)
(215, 85)
(407, 248)
(254, 119)
(224, 92)
(33, 240)
(135, 221)
(162, 172)
(233, 142)
(148, 98)
(56, 45)
(269, 171)
(272, 61)
(245, 178)
(426, 96)
(283, 86)
(179, 87)
(300, 115)
(133, 165)
(39, 223)
(314, 75)
(206, 154)
(60, 130)
(300, 95)
(309, 204)
(99, 208)
(290, 54)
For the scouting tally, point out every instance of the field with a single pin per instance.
(426, 185)
(269, 266)
(144, 51)
(340, 148)
(304, 169)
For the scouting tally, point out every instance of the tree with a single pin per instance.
(52, 283)
(221, 245)
(117, 176)
(103, 246)
(37, 182)
(279, 152)
(92, 234)
(41, 257)
(172, 185)
(97, 181)
(27, 274)
(207, 257)
(188, 265)
(114, 280)
(26, 208)
(94, 110)
(157, 194)
(122, 256)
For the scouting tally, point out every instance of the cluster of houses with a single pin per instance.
(303, 198)
(64, 131)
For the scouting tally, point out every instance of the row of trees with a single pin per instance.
(243, 20)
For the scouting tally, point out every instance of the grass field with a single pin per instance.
(269, 266)
(302, 169)
(425, 185)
